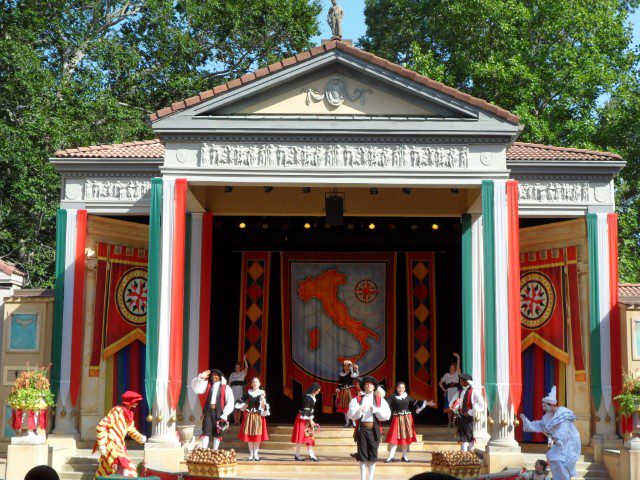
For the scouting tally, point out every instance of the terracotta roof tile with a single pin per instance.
(517, 151)
(351, 50)
(629, 293)
(521, 151)
(10, 269)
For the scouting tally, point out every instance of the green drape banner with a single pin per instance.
(594, 310)
(58, 306)
(467, 295)
(488, 233)
(153, 285)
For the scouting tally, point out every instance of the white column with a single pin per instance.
(163, 430)
(502, 430)
(64, 421)
(477, 264)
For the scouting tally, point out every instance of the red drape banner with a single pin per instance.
(541, 302)
(336, 307)
(177, 293)
(120, 312)
(572, 307)
(205, 295)
(254, 312)
(616, 347)
(421, 310)
(513, 287)
(78, 308)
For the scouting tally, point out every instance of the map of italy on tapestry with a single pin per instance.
(337, 306)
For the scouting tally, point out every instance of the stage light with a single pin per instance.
(242, 225)
(306, 189)
(372, 226)
(268, 189)
(307, 226)
(264, 226)
(406, 191)
(373, 190)
(414, 227)
(228, 189)
(351, 226)
(435, 226)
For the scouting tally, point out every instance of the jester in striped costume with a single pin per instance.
(110, 435)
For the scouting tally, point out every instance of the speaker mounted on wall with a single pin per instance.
(334, 208)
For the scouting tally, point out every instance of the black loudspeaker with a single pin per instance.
(334, 209)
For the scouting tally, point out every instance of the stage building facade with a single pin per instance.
(529, 230)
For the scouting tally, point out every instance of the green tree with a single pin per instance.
(83, 72)
(548, 61)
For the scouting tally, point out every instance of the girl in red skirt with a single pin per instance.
(402, 430)
(345, 391)
(254, 423)
(303, 427)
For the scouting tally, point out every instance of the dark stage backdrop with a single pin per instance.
(288, 234)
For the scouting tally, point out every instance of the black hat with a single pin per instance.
(314, 386)
(465, 376)
(369, 379)
(215, 371)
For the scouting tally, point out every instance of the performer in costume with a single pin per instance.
(558, 425)
(468, 405)
(304, 425)
(368, 410)
(253, 430)
(539, 472)
(345, 389)
(217, 407)
(110, 435)
(402, 430)
(236, 382)
(449, 384)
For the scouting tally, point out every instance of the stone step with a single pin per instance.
(320, 447)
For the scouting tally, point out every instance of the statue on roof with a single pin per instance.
(334, 19)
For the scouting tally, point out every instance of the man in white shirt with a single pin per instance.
(368, 410)
(218, 405)
(467, 404)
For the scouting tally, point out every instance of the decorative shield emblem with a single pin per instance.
(537, 300)
(131, 296)
(335, 92)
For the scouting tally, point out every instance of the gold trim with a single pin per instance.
(535, 339)
(119, 344)
(549, 265)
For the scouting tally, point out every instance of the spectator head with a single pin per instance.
(42, 472)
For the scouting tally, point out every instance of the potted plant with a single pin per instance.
(30, 398)
(629, 403)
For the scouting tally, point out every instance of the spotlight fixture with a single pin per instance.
(372, 226)
(435, 226)
(242, 225)
(455, 190)
(268, 189)
(264, 226)
(406, 191)
(414, 227)
(307, 226)
(228, 189)
(373, 190)
(306, 189)
(351, 226)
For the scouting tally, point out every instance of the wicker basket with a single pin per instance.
(462, 471)
(212, 470)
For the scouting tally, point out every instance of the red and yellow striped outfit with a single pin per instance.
(110, 433)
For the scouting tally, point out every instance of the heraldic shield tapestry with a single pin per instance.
(337, 306)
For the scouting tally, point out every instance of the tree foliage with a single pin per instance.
(81, 72)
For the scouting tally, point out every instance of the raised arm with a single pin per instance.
(199, 384)
(246, 365)
(529, 426)
(455, 354)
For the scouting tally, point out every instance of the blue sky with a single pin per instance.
(354, 26)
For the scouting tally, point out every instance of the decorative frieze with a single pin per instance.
(117, 190)
(333, 155)
(553, 192)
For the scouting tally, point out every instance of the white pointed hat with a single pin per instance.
(551, 398)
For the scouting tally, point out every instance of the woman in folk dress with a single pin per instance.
(304, 425)
(253, 430)
(236, 382)
(345, 389)
(402, 430)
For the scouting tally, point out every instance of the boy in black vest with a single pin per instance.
(368, 409)
(218, 405)
(468, 404)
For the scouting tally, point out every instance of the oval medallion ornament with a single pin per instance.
(537, 300)
(131, 296)
(335, 92)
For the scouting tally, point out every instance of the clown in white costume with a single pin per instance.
(558, 425)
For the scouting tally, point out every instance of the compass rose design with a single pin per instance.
(366, 290)
(537, 300)
(131, 295)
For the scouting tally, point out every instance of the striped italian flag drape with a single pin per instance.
(66, 371)
(515, 357)
(488, 231)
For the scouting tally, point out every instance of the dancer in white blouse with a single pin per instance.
(236, 382)
(253, 430)
(217, 407)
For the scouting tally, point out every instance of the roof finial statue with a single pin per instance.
(334, 19)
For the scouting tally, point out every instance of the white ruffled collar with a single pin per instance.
(344, 374)
(401, 397)
(256, 393)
